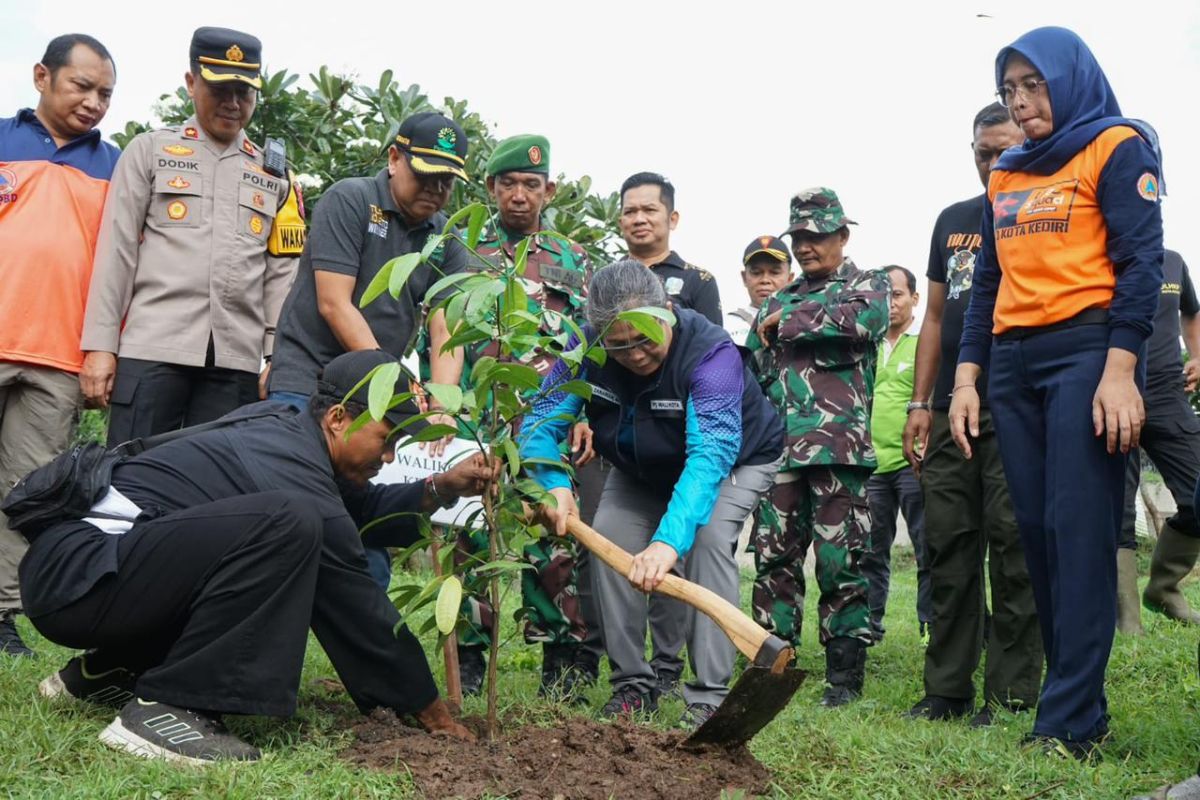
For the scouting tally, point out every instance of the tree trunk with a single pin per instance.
(489, 512)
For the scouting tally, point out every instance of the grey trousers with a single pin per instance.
(629, 515)
(38, 411)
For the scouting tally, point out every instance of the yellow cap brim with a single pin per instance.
(778, 255)
(434, 168)
(223, 77)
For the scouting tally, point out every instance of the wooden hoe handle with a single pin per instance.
(746, 635)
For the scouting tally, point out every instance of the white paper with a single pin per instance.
(414, 464)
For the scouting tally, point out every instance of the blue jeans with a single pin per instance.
(1067, 495)
(379, 560)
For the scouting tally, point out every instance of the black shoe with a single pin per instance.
(587, 666)
(934, 708)
(986, 716)
(627, 701)
(1080, 750)
(695, 715)
(157, 730)
(113, 687)
(666, 687)
(845, 668)
(472, 669)
(11, 643)
(560, 679)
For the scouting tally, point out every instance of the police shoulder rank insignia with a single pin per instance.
(178, 150)
(248, 148)
(178, 182)
(1147, 186)
(234, 53)
(446, 139)
(177, 209)
(256, 226)
(191, 133)
(535, 155)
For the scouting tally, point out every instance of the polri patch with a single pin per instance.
(177, 209)
(256, 225)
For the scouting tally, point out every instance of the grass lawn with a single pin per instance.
(868, 751)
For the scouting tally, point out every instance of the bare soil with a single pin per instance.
(576, 759)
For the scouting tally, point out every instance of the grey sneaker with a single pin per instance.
(170, 733)
(113, 687)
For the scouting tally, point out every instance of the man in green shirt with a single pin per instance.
(894, 486)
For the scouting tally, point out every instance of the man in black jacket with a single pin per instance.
(229, 544)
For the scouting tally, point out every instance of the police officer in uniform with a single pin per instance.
(197, 250)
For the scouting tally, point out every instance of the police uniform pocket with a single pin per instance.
(176, 200)
(256, 212)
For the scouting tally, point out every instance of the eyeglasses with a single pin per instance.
(644, 343)
(1027, 88)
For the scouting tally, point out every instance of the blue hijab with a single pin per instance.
(1082, 102)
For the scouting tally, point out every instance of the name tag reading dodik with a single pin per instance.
(414, 464)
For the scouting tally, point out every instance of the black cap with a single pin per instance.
(434, 144)
(223, 55)
(346, 371)
(770, 245)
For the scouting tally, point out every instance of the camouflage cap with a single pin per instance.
(523, 153)
(817, 210)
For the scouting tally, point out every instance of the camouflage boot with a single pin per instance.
(845, 667)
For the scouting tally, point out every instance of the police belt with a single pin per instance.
(1090, 316)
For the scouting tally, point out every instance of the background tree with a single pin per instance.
(341, 129)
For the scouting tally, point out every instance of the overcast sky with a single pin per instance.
(740, 105)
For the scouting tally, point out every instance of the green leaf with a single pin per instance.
(450, 280)
(460, 215)
(479, 216)
(521, 255)
(402, 269)
(448, 600)
(648, 324)
(383, 385)
(431, 244)
(578, 388)
(378, 284)
(448, 396)
(519, 376)
(513, 456)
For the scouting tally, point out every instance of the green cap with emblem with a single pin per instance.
(434, 144)
(222, 54)
(817, 210)
(524, 153)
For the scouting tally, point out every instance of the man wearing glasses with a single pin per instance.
(197, 248)
(359, 225)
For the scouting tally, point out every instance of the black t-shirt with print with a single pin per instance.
(1164, 358)
(952, 253)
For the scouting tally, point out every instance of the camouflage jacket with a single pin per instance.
(820, 369)
(555, 280)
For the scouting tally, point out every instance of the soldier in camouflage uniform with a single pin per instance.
(814, 348)
(555, 279)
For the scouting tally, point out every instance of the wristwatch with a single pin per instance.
(913, 406)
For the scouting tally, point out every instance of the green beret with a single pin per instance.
(524, 153)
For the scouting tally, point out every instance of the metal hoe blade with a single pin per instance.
(756, 699)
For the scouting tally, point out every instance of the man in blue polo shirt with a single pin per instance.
(54, 173)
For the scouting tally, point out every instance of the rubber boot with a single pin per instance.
(845, 667)
(1129, 610)
(1174, 556)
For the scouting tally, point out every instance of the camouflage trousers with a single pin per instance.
(549, 592)
(825, 507)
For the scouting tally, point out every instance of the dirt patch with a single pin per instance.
(577, 759)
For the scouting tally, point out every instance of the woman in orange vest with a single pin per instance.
(1065, 290)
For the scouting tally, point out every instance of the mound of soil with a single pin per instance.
(578, 759)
